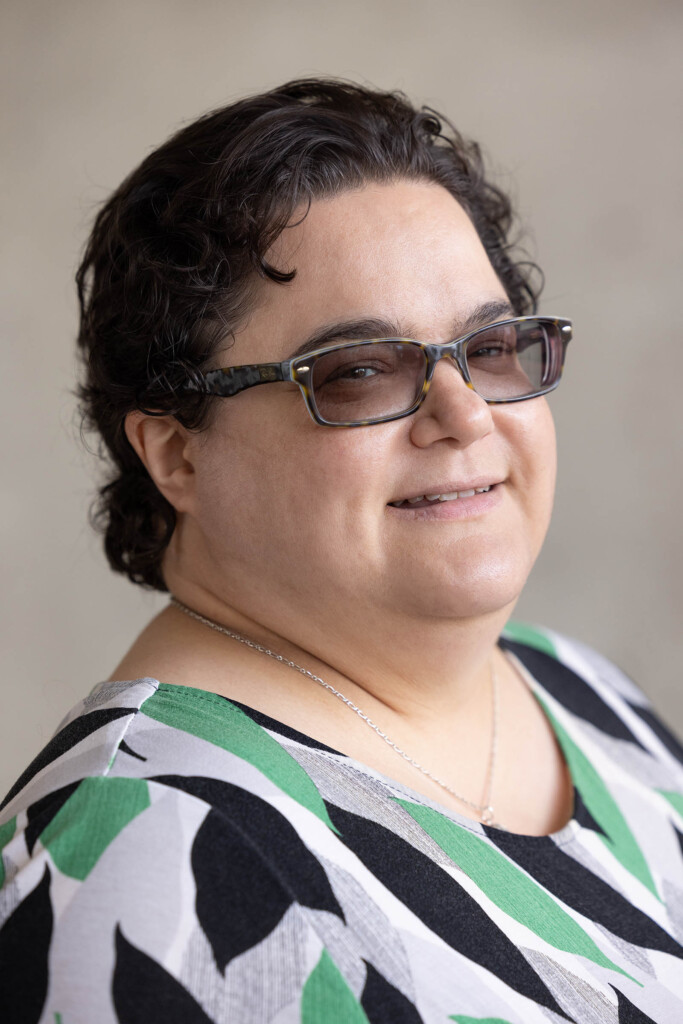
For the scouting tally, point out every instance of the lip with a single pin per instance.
(459, 508)
(449, 488)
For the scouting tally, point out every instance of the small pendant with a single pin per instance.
(487, 816)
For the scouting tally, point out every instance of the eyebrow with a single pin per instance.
(367, 328)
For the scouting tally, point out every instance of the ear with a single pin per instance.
(161, 443)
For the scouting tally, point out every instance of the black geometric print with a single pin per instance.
(382, 1002)
(443, 905)
(41, 813)
(144, 992)
(266, 722)
(680, 838)
(73, 733)
(24, 947)
(239, 900)
(630, 1014)
(583, 816)
(579, 888)
(571, 691)
(655, 723)
(264, 831)
(125, 749)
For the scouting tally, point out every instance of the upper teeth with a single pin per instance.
(444, 497)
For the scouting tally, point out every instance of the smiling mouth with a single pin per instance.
(425, 500)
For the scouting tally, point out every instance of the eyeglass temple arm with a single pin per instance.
(233, 379)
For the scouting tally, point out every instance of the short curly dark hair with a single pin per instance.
(170, 266)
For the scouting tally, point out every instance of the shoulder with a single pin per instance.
(142, 760)
(585, 661)
(122, 788)
(127, 739)
(148, 821)
(590, 686)
(84, 744)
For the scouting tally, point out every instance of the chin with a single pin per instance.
(471, 590)
(472, 604)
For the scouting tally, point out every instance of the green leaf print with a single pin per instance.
(478, 1020)
(326, 996)
(618, 838)
(675, 799)
(6, 832)
(227, 727)
(91, 818)
(508, 886)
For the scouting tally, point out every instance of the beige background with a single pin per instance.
(578, 103)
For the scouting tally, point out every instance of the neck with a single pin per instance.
(423, 671)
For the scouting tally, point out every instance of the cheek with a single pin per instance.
(544, 446)
(271, 478)
(531, 436)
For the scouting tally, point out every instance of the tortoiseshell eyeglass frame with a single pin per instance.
(230, 380)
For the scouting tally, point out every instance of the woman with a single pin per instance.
(321, 785)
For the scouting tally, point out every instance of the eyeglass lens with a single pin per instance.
(374, 381)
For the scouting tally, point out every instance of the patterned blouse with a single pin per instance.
(173, 856)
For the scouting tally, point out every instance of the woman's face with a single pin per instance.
(289, 517)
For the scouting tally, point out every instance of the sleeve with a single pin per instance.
(129, 901)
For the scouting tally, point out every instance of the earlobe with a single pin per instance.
(160, 442)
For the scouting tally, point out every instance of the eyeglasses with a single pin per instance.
(357, 383)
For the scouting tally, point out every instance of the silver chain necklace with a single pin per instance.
(485, 810)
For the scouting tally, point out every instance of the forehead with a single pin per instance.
(404, 252)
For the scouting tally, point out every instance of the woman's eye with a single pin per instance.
(489, 352)
(360, 372)
(353, 373)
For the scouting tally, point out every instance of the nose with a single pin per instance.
(452, 410)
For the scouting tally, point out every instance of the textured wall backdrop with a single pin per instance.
(578, 104)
